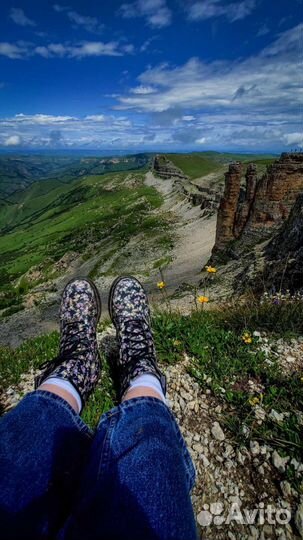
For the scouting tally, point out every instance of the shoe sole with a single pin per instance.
(96, 293)
(112, 290)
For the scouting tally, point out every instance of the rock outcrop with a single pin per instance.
(284, 253)
(254, 213)
(228, 207)
(204, 196)
(164, 168)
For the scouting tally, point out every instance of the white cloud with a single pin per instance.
(41, 119)
(13, 140)
(91, 24)
(155, 12)
(143, 90)
(94, 48)
(263, 30)
(96, 117)
(18, 16)
(13, 51)
(269, 82)
(60, 9)
(248, 102)
(208, 9)
(79, 50)
(294, 138)
(251, 104)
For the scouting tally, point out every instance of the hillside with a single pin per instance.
(199, 164)
(17, 172)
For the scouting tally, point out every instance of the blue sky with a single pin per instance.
(166, 75)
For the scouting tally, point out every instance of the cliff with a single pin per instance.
(205, 196)
(284, 253)
(164, 168)
(254, 212)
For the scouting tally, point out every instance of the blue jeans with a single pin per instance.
(129, 480)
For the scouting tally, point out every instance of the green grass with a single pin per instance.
(194, 165)
(72, 217)
(197, 164)
(222, 362)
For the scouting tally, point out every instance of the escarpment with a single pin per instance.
(254, 212)
(164, 168)
(205, 196)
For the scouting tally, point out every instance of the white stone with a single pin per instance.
(254, 448)
(204, 460)
(217, 432)
(279, 462)
(260, 413)
(216, 508)
(198, 448)
(286, 488)
(276, 417)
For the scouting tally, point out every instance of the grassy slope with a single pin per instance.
(69, 217)
(198, 164)
(20, 171)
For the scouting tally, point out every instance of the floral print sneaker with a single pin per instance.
(129, 311)
(78, 360)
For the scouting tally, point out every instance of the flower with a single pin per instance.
(176, 342)
(247, 338)
(203, 299)
(254, 401)
(211, 269)
(161, 285)
(301, 379)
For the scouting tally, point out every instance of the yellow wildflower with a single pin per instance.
(161, 284)
(247, 338)
(211, 269)
(301, 379)
(203, 299)
(254, 401)
(177, 343)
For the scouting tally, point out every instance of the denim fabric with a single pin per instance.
(130, 481)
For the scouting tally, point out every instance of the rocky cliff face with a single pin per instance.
(206, 197)
(164, 168)
(228, 207)
(284, 253)
(255, 212)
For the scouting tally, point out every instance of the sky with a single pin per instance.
(151, 75)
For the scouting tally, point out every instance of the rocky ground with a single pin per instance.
(241, 492)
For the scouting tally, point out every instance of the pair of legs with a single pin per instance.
(130, 479)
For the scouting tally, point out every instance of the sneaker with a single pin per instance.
(78, 361)
(129, 311)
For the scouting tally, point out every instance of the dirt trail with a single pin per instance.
(195, 234)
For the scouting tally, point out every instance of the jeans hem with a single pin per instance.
(51, 397)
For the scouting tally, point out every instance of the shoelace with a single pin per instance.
(140, 348)
(72, 337)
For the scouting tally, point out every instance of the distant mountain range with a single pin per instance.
(17, 172)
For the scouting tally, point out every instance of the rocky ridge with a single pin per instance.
(206, 196)
(254, 212)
